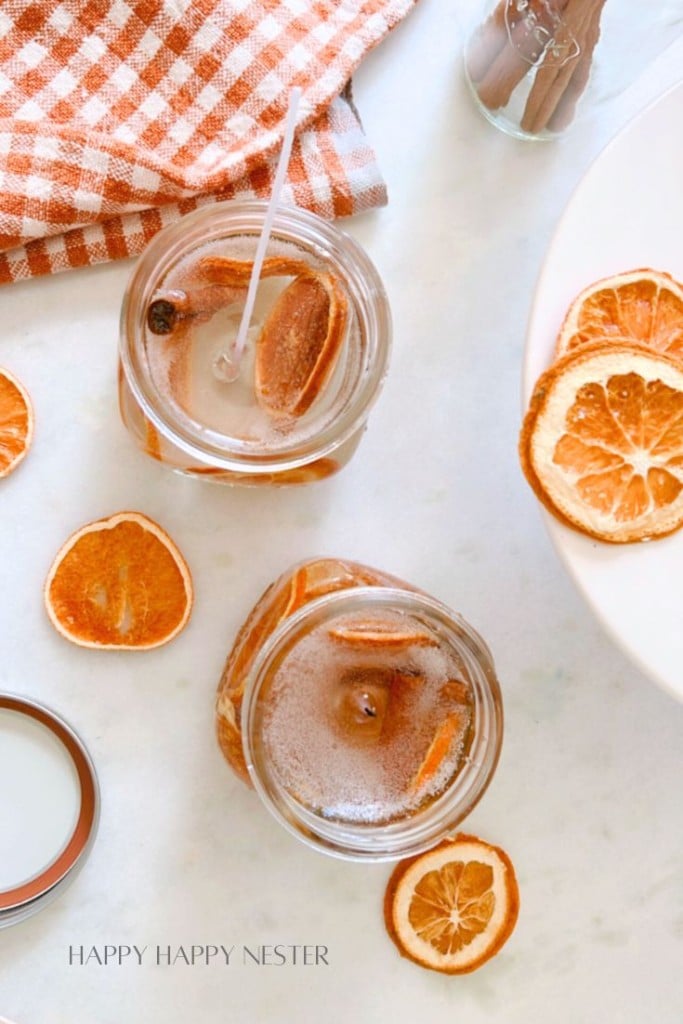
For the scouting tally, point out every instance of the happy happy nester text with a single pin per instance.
(279, 955)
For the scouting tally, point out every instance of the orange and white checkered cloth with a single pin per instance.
(118, 116)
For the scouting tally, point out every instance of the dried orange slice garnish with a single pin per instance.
(379, 633)
(602, 442)
(16, 423)
(119, 583)
(314, 471)
(457, 691)
(278, 601)
(452, 908)
(450, 731)
(299, 343)
(227, 272)
(642, 306)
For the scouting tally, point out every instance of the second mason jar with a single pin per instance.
(366, 714)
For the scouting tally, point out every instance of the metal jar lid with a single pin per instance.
(49, 806)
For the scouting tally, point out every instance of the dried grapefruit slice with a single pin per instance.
(119, 583)
(379, 633)
(602, 442)
(642, 306)
(299, 343)
(16, 423)
(452, 908)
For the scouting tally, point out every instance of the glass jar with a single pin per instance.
(527, 64)
(183, 305)
(533, 66)
(366, 714)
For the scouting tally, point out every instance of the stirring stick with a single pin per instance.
(226, 366)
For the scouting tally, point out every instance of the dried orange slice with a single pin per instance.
(227, 272)
(602, 442)
(318, 470)
(457, 691)
(642, 306)
(278, 601)
(379, 633)
(119, 583)
(299, 343)
(452, 728)
(16, 423)
(452, 908)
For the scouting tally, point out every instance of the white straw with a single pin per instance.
(226, 364)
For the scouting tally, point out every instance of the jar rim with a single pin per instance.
(423, 829)
(291, 224)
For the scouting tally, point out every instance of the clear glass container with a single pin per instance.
(366, 714)
(527, 65)
(182, 308)
(535, 66)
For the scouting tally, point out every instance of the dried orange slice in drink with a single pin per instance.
(379, 633)
(642, 306)
(227, 272)
(451, 729)
(275, 604)
(602, 442)
(16, 423)
(452, 908)
(119, 583)
(299, 343)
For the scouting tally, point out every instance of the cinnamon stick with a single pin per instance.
(486, 43)
(563, 115)
(552, 78)
(519, 54)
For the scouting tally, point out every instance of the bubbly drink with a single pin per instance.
(358, 706)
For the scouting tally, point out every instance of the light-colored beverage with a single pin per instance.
(366, 714)
(316, 350)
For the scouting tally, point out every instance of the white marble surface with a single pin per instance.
(587, 796)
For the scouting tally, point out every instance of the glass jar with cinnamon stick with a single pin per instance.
(528, 63)
(294, 409)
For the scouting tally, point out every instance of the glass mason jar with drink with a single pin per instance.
(316, 351)
(366, 714)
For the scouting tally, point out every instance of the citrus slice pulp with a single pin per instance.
(452, 908)
(119, 583)
(602, 442)
(16, 423)
(299, 343)
(642, 306)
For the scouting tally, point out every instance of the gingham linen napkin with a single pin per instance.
(117, 116)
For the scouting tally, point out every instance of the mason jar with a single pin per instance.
(365, 713)
(316, 353)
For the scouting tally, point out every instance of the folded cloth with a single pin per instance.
(119, 116)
